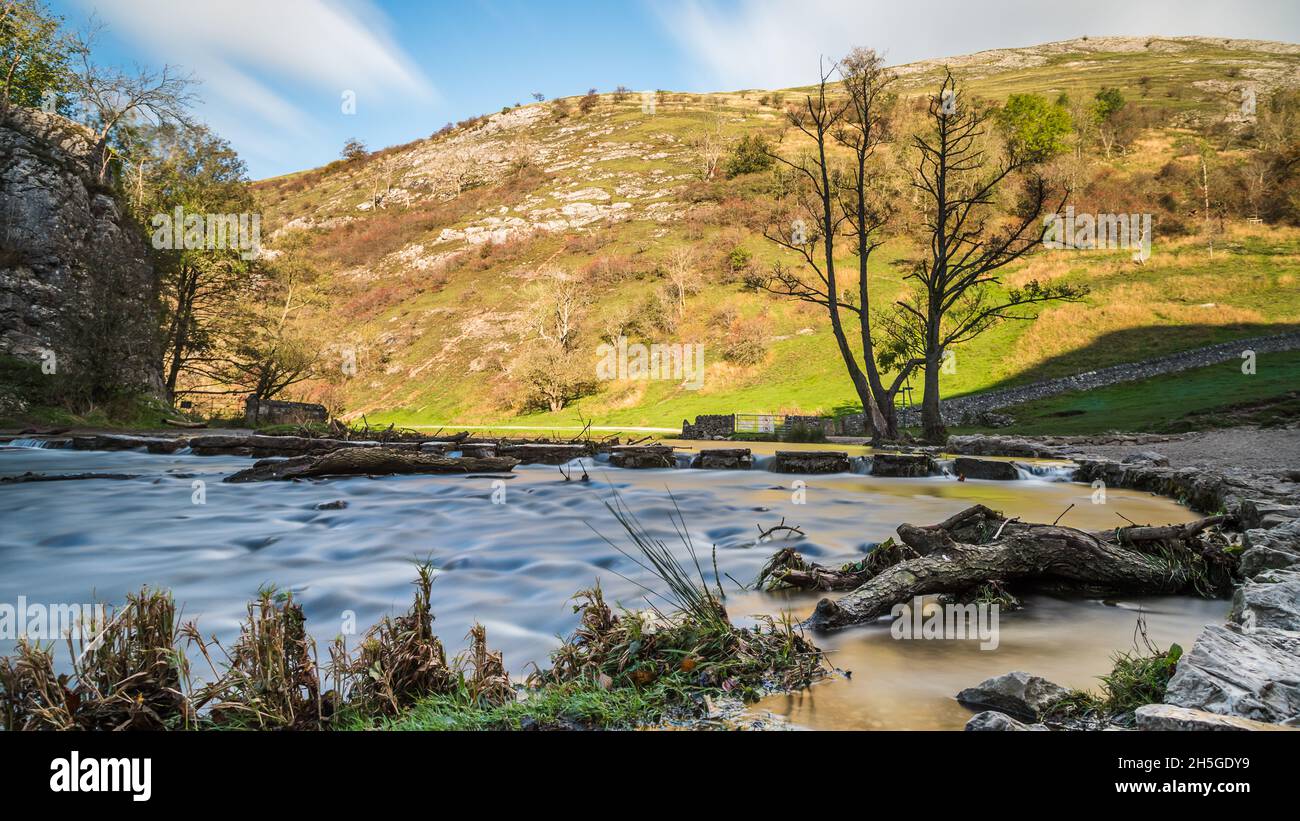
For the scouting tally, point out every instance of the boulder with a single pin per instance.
(1017, 694)
(723, 459)
(478, 449)
(1257, 513)
(1274, 548)
(982, 445)
(991, 720)
(902, 465)
(1169, 717)
(1271, 599)
(1233, 671)
(811, 461)
(985, 469)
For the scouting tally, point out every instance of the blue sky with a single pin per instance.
(274, 71)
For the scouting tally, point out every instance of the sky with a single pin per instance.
(277, 74)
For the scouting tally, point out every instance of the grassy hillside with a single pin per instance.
(430, 257)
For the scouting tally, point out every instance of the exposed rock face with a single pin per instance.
(1017, 694)
(902, 465)
(1169, 717)
(985, 469)
(1271, 599)
(1253, 674)
(1275, 548)
(1146, 457)
(74, 274)
(991, 720)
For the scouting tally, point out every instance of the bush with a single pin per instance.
(748, 156)
(746, 343)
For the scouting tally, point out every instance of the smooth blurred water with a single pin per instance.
(514, 566)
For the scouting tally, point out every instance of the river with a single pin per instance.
(511, 555)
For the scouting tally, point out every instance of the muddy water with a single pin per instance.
(514, 565)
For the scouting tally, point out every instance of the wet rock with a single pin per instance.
(1146, 457)
(723, 459)
(366, 462)
(1253, 674)
(223, 444)
(902, 465)
(991, 720)
(643, 457)
(337, 504)
(1275, 548)
(981, 445)
(478, 449)
(1169, 717)
(1258, 513)
(810, 461)
(1017, 694)
(1272, 599)
(545, 454)
(115, 441)
(985, 469)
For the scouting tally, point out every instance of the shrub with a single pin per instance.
(748, 156)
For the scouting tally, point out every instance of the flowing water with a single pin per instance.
(513, 565)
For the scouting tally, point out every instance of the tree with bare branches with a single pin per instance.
(830, 202)
(957, 293)
(116, 98)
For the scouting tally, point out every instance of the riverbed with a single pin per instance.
(511, 552)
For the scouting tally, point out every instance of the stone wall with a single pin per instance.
(274, 412)
(710, 426)
(974, 409)
(75, 280)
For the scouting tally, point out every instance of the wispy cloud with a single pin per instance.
(270, 67)
(776, 43)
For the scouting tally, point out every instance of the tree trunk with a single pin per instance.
(368, 462)
(1128, 560)
(931, 419)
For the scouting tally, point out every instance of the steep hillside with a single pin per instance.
(433, 257)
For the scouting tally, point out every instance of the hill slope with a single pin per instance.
(432, 257)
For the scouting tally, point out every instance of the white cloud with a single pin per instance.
(776, 43)
(255, 57)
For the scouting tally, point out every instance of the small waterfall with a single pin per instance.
(763, 461)
(27, 443)
(860, 465)
(945, 466)
(683, 460)
(1045, 472)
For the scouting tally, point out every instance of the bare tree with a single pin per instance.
(830, 201)
(710, 147)
(560, 303)
(116, 97)
(957, 294)
(683, 277)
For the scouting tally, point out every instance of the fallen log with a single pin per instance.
(367, 462)
(979, 546)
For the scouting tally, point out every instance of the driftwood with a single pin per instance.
(979, 546)
(368, 462)
(183, 423)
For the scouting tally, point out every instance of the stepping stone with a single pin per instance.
(902, 465)
(811, 461)
(723, 459)
(643, 457)
(985, 469)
